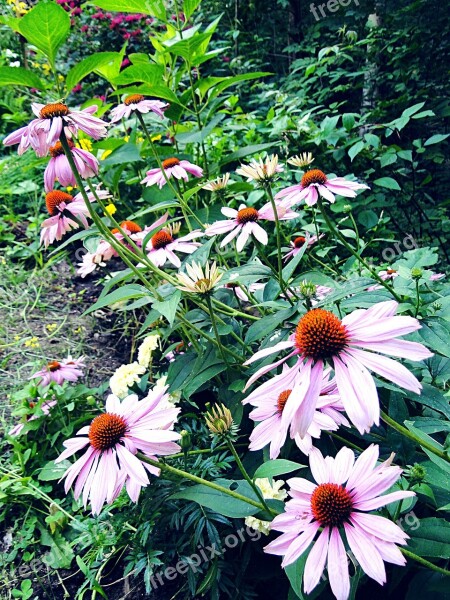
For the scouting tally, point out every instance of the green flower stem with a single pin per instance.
(422, 561)
(183, 204)
(355, 227)
(416, 312)
(339, 235)
(346, 442)
(410, 435)
(268, 189)
(203, 451)
(185, 475)
(216, 332)
(247, 477)
(209, 338)
(230, 311)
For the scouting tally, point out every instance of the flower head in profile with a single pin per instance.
(69, 369)
(315, 183)
(137, 102)
(163, 244)
(52, 119)
(302, 160)
(124, 377)
(113, 440)
(353, 347)
(218, 184)
(219, 421)
(261, 170)
(339, 501)
(298, 243)
(269, 400)
(66, 212)
(43, 409)
(171, 167)
(58, 168)
(245, 222)
(199, 280)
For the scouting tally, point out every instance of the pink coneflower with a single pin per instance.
(315, 183)
(45, 407)
(173, 167)
(58, 168)
(270, 400)
(387, 275)
(164, 244)
(67, 212)
(297, 244)
(113, 439)
(69, 369)
(137, 102)
(344, 492)
(352, 348)
(437, 276)
(240, 293)
(43, 133)
(244, 223)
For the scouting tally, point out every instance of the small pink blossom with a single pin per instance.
(297, 244)
(336, 507)
(58, 168)
(163, 244)
(69, 369)
(173, 167)
(315, 183)
(137, 102)
(244, 223)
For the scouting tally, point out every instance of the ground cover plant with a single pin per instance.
(225, 307)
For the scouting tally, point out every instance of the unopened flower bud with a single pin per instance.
(220, 421)
(185, 441)
(416, 273)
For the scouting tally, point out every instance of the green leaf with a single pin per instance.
(435, 333)
(127, 292)
(219, 501)
(272, 468)
(247, 151)
(46, 26)
(144, 73)
(91, 64)
(408, 112)
(348, 120)
(289, 269)
(155, 8)
(435, 139)
(51, 471)
(431, 538)
(127, 153)
(356, 149)
(20, 76)
(387, 182)
(189, 6)
(266, 325)
(432, 397)
(168, 308)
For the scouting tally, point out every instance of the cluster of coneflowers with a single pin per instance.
(329, 372)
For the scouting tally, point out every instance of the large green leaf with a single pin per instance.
(272, 468)
(221, 502)
(127, 292)
(46, 26)
(145, 73)
(266, 325)
(246, 151)
(91, 64)
(168, 308)
(155, 8)
(387, 182)
(430, 538)
(20, 76)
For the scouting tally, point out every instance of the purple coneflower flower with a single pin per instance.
(58, 168)
(173, 167)
(137, 102)
(68, 369)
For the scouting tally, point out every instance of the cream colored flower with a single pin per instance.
(217, 184)
(258, 525)
(271, 492)
(261, 170)
(124, 377)
(147, 348)
(302, 160)
(198, 281)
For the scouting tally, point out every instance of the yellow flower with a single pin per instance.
(262, 170)
(126, 138)
(105, 154)
(303, 160)
(85, 144)
(198, 281)
(111, 209)
(217, 184)
(69, 188)
(146, 349)
(219, 420)
(156, 138)
(51, 327)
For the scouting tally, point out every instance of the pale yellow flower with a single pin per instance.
(124, 377)
(198, 281)
(85, 144)
(258, 525)
(262, 170)
(111, 209)
(146, 349)
(271, 491)
(217, 184)
(219, 419)
(302, 160)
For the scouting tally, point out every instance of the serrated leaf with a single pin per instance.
(46, 26)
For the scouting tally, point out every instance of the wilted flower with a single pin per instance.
(353, 347)
(173, 167)
(58, 168)
(217, 184)
(137, 102)
(346, 490)
(68, 369)
(125, 377)
(113, 439)
(261, 170)
(198, 281)
(43, 133)
(302, 160)
(315, 183)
